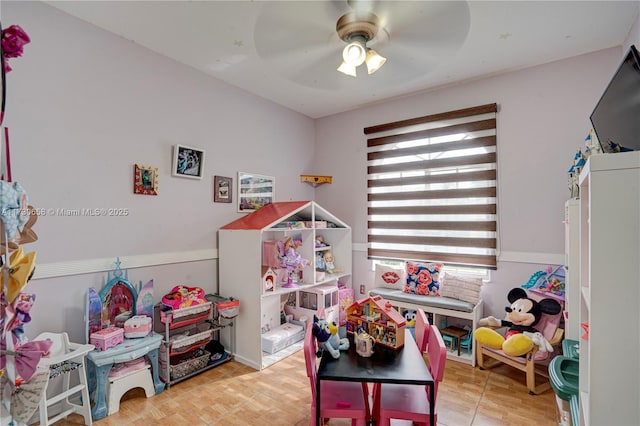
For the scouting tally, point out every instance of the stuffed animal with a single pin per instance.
(410, 316)
(327, 336)
(523, 314)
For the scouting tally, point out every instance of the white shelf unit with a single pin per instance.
(572, 262)
(240, 246)
(610, 289)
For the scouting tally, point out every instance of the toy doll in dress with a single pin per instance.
(290, 259)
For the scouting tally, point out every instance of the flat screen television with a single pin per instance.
(616, 117)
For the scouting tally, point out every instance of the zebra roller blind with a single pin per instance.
(432, 188)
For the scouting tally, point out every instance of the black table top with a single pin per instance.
(386, 365)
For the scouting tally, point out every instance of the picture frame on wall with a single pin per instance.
(145, 180)
(188, 162)
(254, 191)
(222, 189)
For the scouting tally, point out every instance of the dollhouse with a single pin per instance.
(378, 318)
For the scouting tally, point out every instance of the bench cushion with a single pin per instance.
(419, 300)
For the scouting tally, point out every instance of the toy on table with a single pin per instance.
(523, 314)
(327, 336)
(290, 259)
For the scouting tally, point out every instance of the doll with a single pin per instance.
(329, 265)
(290, 259)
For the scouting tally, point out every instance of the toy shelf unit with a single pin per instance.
(609, 291)
(188, 335)
(252, 266)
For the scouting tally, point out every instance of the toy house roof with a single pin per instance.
(384, 306)
(274, 213)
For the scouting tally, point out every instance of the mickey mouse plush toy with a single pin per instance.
(523, 314)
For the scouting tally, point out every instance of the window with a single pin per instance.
(432, 188)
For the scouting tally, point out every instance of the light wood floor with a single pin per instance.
(233, 394)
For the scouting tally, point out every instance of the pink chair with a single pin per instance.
(410, 402)
(422, 330)
(340, 400)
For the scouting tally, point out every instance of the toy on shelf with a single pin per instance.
(580, 159)
(329, 264)
(410, 317)
(290, 259)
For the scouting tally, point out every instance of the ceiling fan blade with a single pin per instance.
(284, 27)
(440, 27)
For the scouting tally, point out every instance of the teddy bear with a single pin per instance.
(522, 316)
(327, 336)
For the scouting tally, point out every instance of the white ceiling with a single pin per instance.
(288, 51)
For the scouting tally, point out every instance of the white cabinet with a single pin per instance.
(610, 289)
(572, 262)
(241, 252)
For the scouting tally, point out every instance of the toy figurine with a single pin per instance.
(327, 336)
(290, 259)
(329, 265)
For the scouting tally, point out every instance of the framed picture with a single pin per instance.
(187, 162)
(254, 191)
(222, 189)
(145, 180)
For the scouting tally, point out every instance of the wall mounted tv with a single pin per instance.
(616, 117)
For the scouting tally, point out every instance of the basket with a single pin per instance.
(194, 363)
(227, 310)
(190, 342)
(181, 317)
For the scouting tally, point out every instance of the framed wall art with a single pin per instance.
(254, 191)
(187, 162)
(145, 180)
(222, 189)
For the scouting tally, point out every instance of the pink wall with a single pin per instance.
(543, 119)
(85, 105)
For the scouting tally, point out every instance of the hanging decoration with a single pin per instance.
(19, 358)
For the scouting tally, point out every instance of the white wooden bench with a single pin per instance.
(438, 307)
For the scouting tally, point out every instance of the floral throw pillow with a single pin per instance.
(423, 278)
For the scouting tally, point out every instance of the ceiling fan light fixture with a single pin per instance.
(348, 69)
(374, 61)
(355, 53)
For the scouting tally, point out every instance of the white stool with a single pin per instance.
(119, 385)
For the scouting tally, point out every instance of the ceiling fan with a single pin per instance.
(356, 28)
(305, 40)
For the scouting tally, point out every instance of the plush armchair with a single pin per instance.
(535, 362)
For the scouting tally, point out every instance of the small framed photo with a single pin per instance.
(222, 189)
(254, 191)
(187, 162)
(145, 180)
